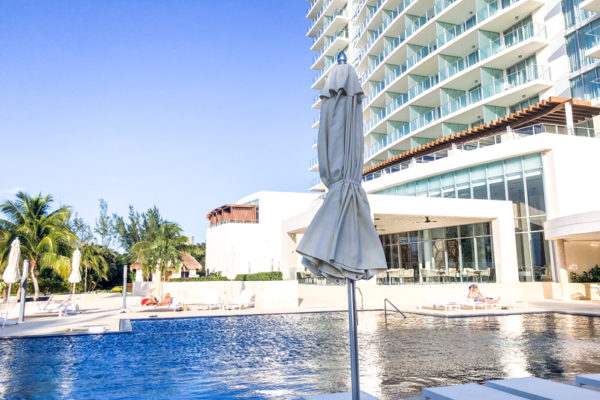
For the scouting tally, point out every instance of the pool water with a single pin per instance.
(286, 356)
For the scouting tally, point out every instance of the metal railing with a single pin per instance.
(234, 221)
(362, 305)
(385, 303)
(485, 142)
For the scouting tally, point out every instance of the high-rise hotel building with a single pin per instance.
(480, 149)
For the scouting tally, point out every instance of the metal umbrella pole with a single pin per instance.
(124, 288)
(354, 374)
(23, 291)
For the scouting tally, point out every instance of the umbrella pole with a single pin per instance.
(353, 341)
(7, 305)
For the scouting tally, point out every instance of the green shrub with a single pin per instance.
(593, 275)
(117, 289)
(261, 276)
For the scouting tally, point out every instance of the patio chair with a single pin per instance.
(407, 273)
(245, 299)
(209, 300)
(382, 278)
(468, 391)
(470, 273)
(536, 388)
(58, 307)
(470, 303)
(435, 303)
(175, 305)
(588, 380)
(428, 274)
(485, 273)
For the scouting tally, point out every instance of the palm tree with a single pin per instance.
(165, 249)
(93, 260)
(46, 239)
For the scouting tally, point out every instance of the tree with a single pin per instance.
(165, 249)
(198, 251)
(81, 229)
(92, 259)
(46, 239)
(138, 227)
(106, 226)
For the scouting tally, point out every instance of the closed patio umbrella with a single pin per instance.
(11, 273)
(75, 276)
(341, 242)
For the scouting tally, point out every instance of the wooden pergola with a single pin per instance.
(554, 110)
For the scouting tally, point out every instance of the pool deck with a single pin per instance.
(101, 313)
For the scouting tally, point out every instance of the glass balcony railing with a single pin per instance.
(369, 17)
(338, 13)
(314, 21)
(508, 40)
(328, 63)
(495, 87)
(316, 118)
(314, 161)
(314, 182)
(316, 98)
(329, 41)
(482, 14)
(481, 143)
(310, 7)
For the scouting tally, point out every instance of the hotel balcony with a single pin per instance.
(425, 30)
(313, 9)
(318, 25)
(460, 111)
(316, 120)
(316, 102)
(316, 185)
(333, 45)
(498, 54)
(338, 21)
(590, 5)
(314, 164)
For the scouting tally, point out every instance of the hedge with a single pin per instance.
(593, 275)
(261, 276)
(199, 279)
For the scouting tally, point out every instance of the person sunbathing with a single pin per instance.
(476, 295)
(166, 301)
(150, 301)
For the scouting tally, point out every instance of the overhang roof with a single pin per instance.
(550, 111)
(223, 207)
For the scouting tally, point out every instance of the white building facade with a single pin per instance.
(433, 69)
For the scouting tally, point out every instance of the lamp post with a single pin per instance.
(124, 288)
(23, 291)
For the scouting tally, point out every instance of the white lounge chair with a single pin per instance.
(174, 306)
(540, 389)
(435, 303)
(209, 300)
(470, 391)
(588, 380)
(58, 307)
(245, 299)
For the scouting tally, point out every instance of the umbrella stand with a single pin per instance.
(354, 374)
(7, 305)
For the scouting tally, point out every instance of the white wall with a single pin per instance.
(249, 248)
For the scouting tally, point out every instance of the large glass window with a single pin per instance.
(451, 254)
(519, 180)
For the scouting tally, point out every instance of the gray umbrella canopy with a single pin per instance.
(341, 241)
(11, 273)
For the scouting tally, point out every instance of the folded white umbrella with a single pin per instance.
(341, 242)
(11, 273)
(75, 276)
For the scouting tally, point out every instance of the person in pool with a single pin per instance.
(476, 296)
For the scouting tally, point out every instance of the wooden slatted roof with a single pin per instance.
(550, 111)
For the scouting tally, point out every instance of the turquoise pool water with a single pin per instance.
(286, 356)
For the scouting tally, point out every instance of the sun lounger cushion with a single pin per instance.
(470, 391)
(589, 379)
(541, 389)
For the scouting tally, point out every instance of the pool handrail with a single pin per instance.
(385, 302)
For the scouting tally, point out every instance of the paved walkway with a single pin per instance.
(103, 311)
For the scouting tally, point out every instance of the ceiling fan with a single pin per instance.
(427, 221)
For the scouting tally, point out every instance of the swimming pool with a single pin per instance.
(285, 356)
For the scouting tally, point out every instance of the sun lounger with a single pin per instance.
(174, 306)
(470, 391)
(209, 300)
(589, 380)
(246, 299)
(58, 307)
(541, 389)
(435, 303)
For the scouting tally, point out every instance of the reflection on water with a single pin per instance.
(285, 356)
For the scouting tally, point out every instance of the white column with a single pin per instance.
(561, 268)
(569, 118)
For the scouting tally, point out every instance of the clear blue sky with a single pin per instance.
(187, 105)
